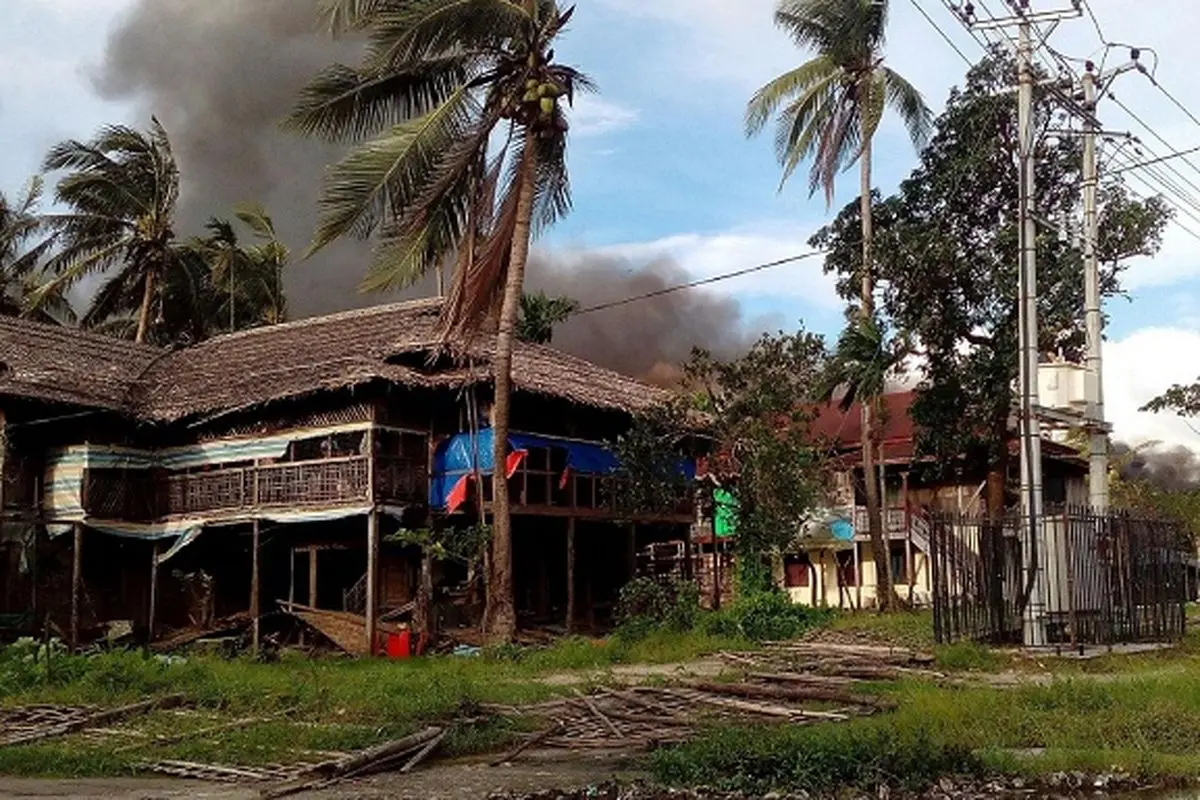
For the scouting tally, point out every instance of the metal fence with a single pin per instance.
(1091, 579)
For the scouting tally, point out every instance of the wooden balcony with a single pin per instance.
(142, 496)
(541, 487)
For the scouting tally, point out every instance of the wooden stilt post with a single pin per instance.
(570, 574)
(255, 607)
(151, 613)
(372, 611)
(632, 554)
(716, 571)
(76, 583)
(858, 576)
(312, 577)
(292, 575)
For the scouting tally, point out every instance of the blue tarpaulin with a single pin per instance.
(455, 459)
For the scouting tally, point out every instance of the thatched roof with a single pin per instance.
(64, 365)
(242, 370)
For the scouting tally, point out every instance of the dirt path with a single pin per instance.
(461, 780)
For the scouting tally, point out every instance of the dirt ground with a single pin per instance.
(462, 780)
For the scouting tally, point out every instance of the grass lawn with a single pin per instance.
(1136, 713)
(1139, 713)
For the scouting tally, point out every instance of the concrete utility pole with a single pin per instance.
(1033, 540)
(1094, 321)
(1031, 435)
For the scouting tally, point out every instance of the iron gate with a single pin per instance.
(1099, 578)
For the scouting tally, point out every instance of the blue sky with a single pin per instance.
(661, 166)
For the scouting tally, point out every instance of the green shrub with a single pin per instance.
(817, 759)
(650, 604)
(762, 616)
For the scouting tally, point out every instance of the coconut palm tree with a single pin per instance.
(828, 110)
(458, 114)
(540, 314)
(121, 189)
(862, 362)
(24, 246)
(246, 282)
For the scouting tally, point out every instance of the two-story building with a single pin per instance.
(170, 488)
(837, 567)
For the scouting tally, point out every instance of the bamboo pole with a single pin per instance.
(255, 604)
(150, 614)
(76, 583)
(372, 610)
(570, 574)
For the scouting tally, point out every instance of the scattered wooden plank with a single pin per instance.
(529, 742)
(422, 754)
(162, 741)
(600, 714)
(819, 693)
(357, 764)
(96, 720)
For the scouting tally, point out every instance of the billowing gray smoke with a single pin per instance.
(651, 337)
(220, 74)
(1172, 469)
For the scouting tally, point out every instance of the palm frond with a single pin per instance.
(343, 16)
(427, 231)
(478, 282)
(389, 172)
(116, 297)
(801, 81)
(254, 216)
(402, 33)
(872, 102)
(904, 97)
(801, 124)
(346, 103)
(552, 198)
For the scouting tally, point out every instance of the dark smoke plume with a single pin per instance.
(1172, 470)
(648, 338)
(220, 74)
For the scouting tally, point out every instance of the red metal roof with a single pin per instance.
(843, 430)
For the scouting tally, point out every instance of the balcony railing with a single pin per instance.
(546, 492)
(141, 496)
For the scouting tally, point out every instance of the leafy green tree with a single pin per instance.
(1182, 399)
(828, 110)
(457, 111)
(121, 189)
(540, 314)
(760, 449)
(947, 265)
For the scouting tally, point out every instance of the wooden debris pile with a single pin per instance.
(645, 717)
(402, 755)
(835, 664)
(36, 723)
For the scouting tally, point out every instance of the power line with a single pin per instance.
(702, 282)
(1138, 165)
(1159, 137)
(1174, 220)
(1087, 7)
(942, 33)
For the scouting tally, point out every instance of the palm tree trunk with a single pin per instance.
(500, 623)
(147, 302)
(883, 584)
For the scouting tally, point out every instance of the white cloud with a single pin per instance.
(709, 255)
(595, 116)
(1137, 369)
